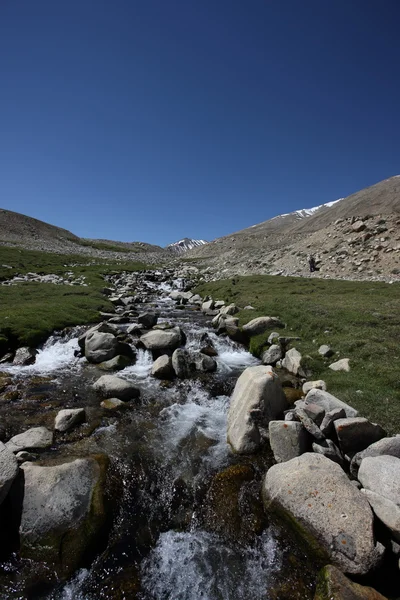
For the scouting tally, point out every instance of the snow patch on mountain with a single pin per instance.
(307, 212)
(185, 245)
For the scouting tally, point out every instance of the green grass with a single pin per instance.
(359, 320)
(30, 312)
(106, 246)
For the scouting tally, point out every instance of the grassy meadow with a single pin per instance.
(359, 320)
(30, 312)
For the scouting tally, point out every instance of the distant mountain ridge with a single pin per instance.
(185, 245)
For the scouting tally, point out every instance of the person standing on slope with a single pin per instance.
(311, 262)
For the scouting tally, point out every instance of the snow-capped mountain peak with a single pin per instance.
(307, 212)
(185, 245)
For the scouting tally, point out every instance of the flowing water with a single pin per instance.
(165, 453)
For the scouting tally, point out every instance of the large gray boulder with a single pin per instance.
(261, 325)
(36, 438)
(8, 470)
(326, 509)
(148, 320)
(101, 347)
(103, 327)
(357, 433)
(288, 439)
(381, 474)
(68, 418)
(388, 445)
(111, 386)
(62, 512)
(257, 399)
(292, 361)
(329, 402)
(181, 363)
(162, 341)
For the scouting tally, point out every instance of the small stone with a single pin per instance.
(112, 403)
(319, 384)
(325, 351)
(340, 365)
(68, 418)
(272, 355)
(33, 439)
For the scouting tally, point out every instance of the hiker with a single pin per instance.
(311, 262)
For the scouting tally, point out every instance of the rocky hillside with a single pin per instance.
(26, 232)
(185, 245)
(354, 237)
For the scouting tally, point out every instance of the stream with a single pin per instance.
(173, 533)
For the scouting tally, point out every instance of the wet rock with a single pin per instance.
(25, 356)
(327, 427)
(162, 341)
(101, 347)
(103, 327)
(272, 355)
(69, 417)
(181, 363)
(148, 320)
(328, 449)
(381, 474)
(63, 512)
(162, 368)
(329, 402)
(134, 329)
(292, 361)
(112, 403)
(319, 384)
(288, 439)
(23, 456)
(6, 358)
(355, 434)
(257, 399)
(386, 510)
(234, 332)
(111, 386)
(203, 363)
(340, 365)
(36, 438)
(8, 470)
(209, 351)
(387, 445)
(337, 526)
(117, 363)
(261, 325)
(233, 506)
(332, 584)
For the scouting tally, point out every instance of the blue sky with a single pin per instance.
(153, 120)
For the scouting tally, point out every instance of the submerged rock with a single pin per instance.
(257, 399)
(316, 497)
(332, 584)
(63, 512)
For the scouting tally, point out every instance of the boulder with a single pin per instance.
(355, 434)
(203, 363)
(181, 363)
(147, 320)
(100, 347)
(36, 438)
(292, 361)
(358, 226)
(319, 384)
(234, 332)
(273, 337)
(327, 511)
(340, 365)
(329, 402)
(388, 445)
(330, 450)
(288, 439)
(162, 341)
(387, 511)
(272, 355)
(103, 327)
(218, 304)
(315, 412)
(111, 386)
(261, 325)
(117, 363)
(25, 356)
(69, 417)
(62, 512)
(8, 470)
(135, 329)
(208, 305)
(381, 474)
(332, 584)
(231, 309)
(162, 367)
(257, 399)
(329, 418)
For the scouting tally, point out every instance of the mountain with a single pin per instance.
(26, 232)
(185, 245)
(344, 247)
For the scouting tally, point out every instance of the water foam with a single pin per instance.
(56, 355)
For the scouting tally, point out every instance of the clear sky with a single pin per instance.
(152, 120)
